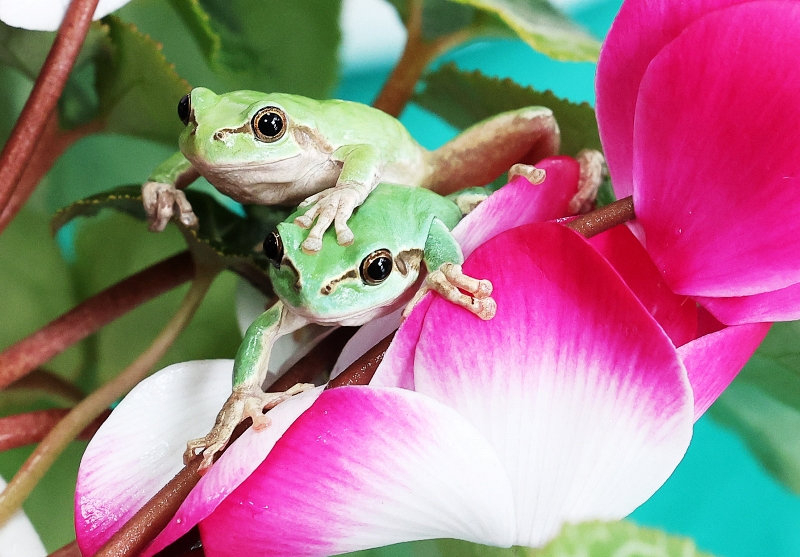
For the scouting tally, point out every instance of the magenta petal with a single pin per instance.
(716, 161)
(779, 305)
(520, 202)
(233, 467)
(676, 314)
(366, 467)
(575, 385)
(712, 361)
(639, 32)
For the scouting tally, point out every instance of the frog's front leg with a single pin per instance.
(162, 195)
(443, 259)
(361, 169)
(248, 400)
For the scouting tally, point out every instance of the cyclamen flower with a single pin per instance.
(573, 403)
(46, 15)
(698, 110)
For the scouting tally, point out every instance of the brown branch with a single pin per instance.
(48, 382)
(361, 371)
(69, 550)
(25, 429)
(605, 218)
(91, 314)
(40, 107)
(144, 526)
(50, 146)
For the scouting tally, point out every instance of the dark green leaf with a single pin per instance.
(464, 98)
(235, 239)
(268, 46)
(762, 405)
(138, 89)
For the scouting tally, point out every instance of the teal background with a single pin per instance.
(719, 495)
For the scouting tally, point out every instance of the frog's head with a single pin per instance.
(341, 284)
(242, 129)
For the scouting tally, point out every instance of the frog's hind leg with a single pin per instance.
(484, 151)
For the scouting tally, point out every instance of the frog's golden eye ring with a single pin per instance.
(273, 248)
(185, 109)
(376, 267)
(269, 124)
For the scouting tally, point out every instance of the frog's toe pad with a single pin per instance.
(531, 173)
(311, 246)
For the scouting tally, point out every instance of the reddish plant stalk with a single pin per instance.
(40, 106)
(91, 314)
(51, 145)
(25, 429)
(604, 218)
(69, 550)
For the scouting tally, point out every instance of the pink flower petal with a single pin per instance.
(397, 367)
(234, 467)
(140, 447)
(366, 467)
(575, 385)
(779, 305)
(712, 361)
(639, 32)
(716, 162)
(18, 537)
(520, 202)
(676, 314)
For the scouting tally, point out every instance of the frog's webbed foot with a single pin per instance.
(449, 281)
(334, 205)
(243, 403)
(593, 168)
(162, 201)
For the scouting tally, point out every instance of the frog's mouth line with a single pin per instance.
(201, 165)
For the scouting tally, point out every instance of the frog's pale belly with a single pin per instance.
(284, 182)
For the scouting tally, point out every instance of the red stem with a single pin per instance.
(604, 218)
(29, 428)
(91, 314)
(69, 550)
(41, 104)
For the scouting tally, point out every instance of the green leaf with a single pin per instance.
(762, 405)
(138, 89)
(37, 286)
(543, 27)
(113, 246)
(268, 46)
(234, 239)
(595, 539)
(464, 98)
(537, 22)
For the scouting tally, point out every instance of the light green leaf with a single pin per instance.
(537, 22)
(268, 46)
(592, 539)
(546, 29)
(762, 405)
(138, 89)
(37, 286)
(464, 98)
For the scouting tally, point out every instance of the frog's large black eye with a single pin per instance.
(273, 248)
(269, 124)
(185, 109)
(376, 267)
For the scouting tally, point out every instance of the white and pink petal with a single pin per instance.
(573, 383)
(140, 446)
(367, 467)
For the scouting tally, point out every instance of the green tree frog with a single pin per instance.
(271, 148)
(397, 230)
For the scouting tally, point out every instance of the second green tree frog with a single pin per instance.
(397, 231)
(272, 148)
